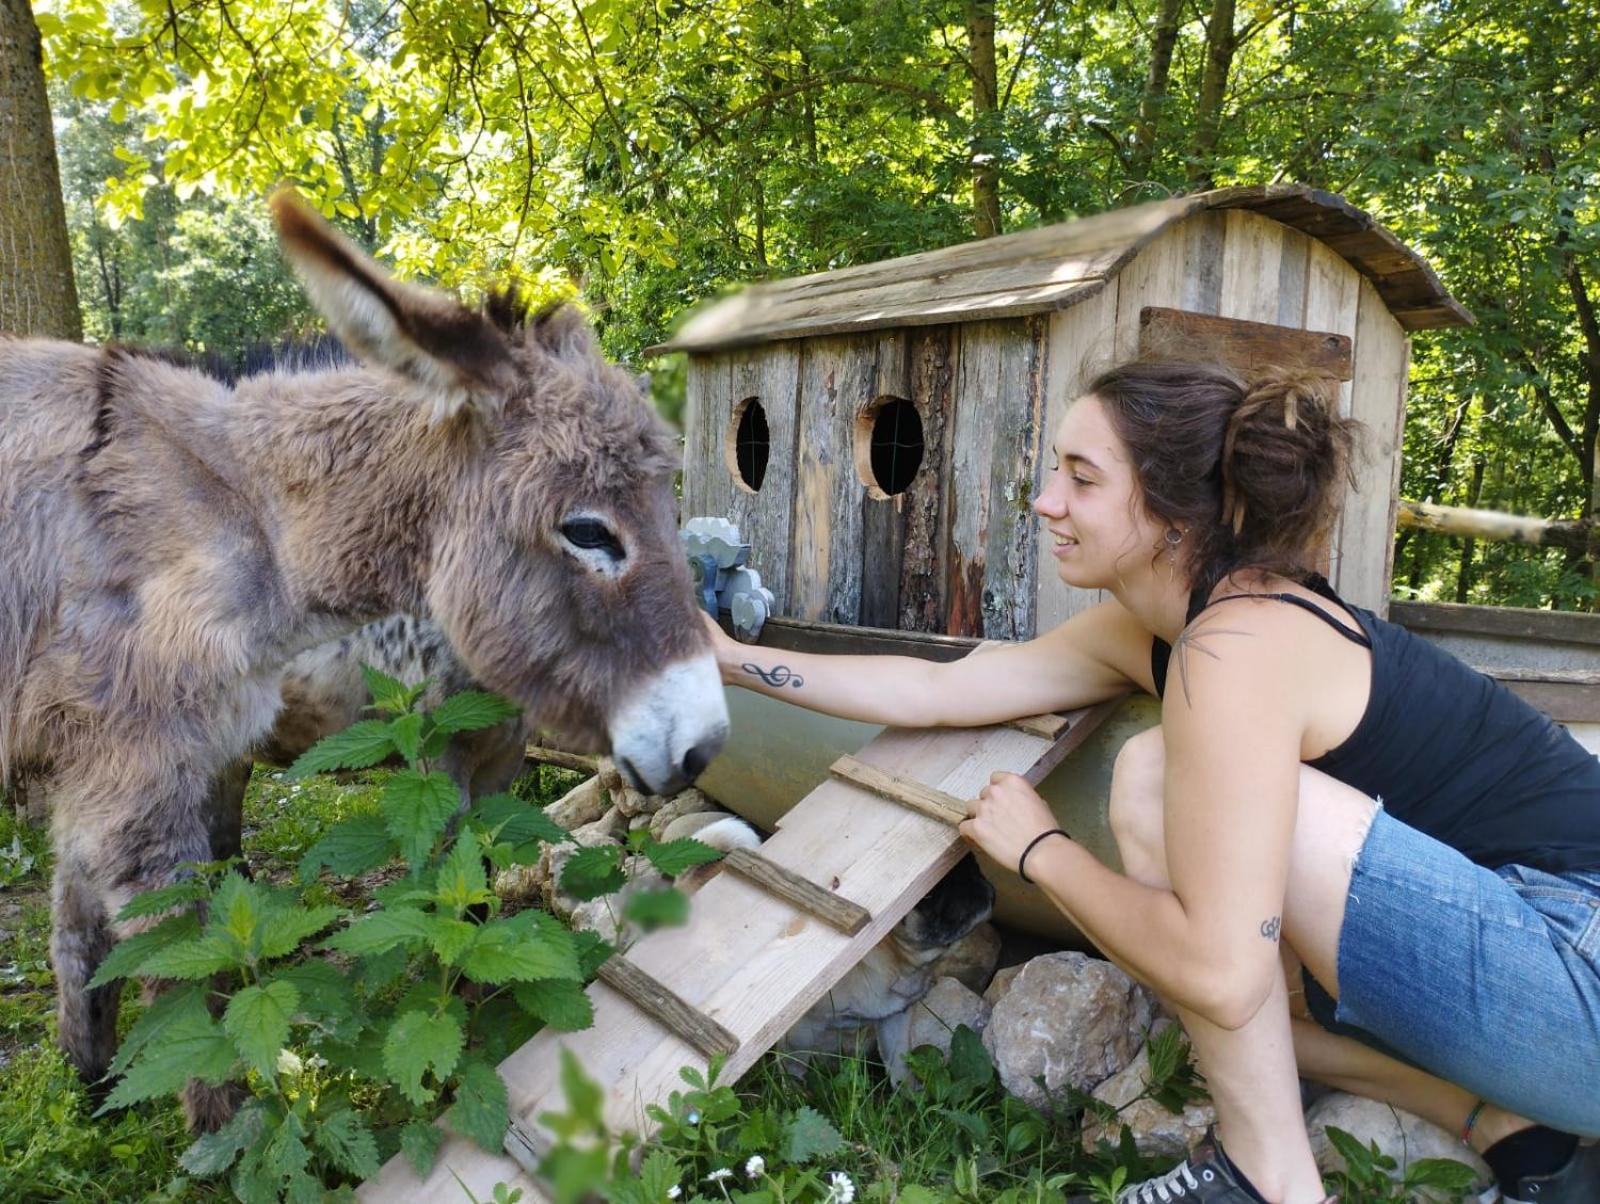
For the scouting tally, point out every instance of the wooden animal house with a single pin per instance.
(878, 432)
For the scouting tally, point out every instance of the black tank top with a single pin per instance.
(1454, 753)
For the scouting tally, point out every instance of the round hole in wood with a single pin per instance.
(888, 446)
(748, 444)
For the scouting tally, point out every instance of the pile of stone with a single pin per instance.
(602, 810)
(1070, 1020)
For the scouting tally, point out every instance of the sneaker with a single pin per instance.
(1578, 1182)
(1205, 1177)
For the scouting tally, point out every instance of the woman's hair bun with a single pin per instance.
(1286, 452)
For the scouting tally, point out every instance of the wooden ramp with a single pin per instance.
(757, 951)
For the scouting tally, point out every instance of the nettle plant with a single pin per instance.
(346, 1047)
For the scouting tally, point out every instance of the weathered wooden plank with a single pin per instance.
(993, 452)
(897, 788)
(1247, 346)
(710, 404)
(1082, 343)
(883, 535)
(1365, 547)
(924, 558)
(666, 1007)
(1047, 727)
(1155, 276)
(1504, 622)
(847, 917)
(1252, 258)
(825, 558)
(1205, 235)
(1293, 268)
(770, 375)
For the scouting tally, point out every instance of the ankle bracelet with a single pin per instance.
(1472, 1119)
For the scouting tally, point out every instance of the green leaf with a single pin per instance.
(237, 908)
(559, 1002)
(970, 1066)
(190, 1045)
(257, 1018)
(481, 1110)
(407, 734)
(165, 898)
(1444, 1173)
(675, 856)
(451, 938)
(462, 881)
(352, 846)
(520, 949)
(1357, 1157)
(416, 808)
(284, 929)
(198, 957)
(417, 1043)
(653, 909)
(419, 1142)
(129, 953)
(348, 1142)
(472, 710)
(170, 1005)
(357, 747)
(325, 993)
(382, 931)
(592, 872)
(808, 1135)
(511, 820)
(285, 1152)
(214, 1153)
(593, 952)
(389, 693)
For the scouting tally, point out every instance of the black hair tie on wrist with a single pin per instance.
(1023, 860)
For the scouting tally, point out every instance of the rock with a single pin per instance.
(1156, 1131)
(631, 803)
(691, 825)
(1001, 983)
(1399, 1134)
(521, 884)
(583, 804)
(1068, 1019)
(932, 1020)
(609, 828)
(689, 802)
(609, 777)
(972, 959)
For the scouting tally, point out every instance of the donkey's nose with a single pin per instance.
(698, 757)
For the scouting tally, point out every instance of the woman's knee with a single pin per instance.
(1134, 809)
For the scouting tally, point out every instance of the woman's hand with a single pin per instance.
(1005, 817)
(722, 647)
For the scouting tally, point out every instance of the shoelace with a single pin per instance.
(1173, 1185)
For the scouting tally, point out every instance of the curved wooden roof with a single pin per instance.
(1053, 267)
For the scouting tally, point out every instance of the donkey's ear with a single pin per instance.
(427, 336)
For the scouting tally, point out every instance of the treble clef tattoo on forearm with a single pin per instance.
(777, 677)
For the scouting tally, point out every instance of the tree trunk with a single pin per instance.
(1220, 44)
(1469, 546)
(37, 294)
(1162, 44)
(985, 118)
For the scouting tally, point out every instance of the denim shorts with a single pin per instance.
(1487, 978)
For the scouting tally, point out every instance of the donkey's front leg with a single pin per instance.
(80, 938)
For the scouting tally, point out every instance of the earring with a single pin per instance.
(1174, 538)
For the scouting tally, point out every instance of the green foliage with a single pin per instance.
(1370, 1174)
(350, 1043)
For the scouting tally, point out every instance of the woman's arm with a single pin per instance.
(1232, 737)
(1089, 658)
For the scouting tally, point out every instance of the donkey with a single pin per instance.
(169, 543)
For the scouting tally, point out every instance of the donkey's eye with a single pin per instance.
(590, 534)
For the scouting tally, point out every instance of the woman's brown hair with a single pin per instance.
(1249, 472)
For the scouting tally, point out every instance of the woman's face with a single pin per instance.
(1091, 503)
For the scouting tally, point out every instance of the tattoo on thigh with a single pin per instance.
(1269, 928)
(778, 676)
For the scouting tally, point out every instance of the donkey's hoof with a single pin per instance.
(206, 1108)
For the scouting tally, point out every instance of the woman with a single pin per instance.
(1423, 841)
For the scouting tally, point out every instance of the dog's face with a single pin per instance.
(961, 901)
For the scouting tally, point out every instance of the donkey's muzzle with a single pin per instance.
(671, 727)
